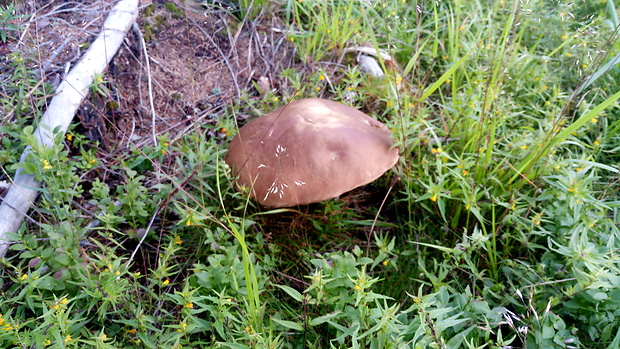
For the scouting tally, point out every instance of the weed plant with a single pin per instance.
(499, 228)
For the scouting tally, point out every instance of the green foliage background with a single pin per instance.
(499, 227)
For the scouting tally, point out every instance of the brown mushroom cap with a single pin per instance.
(309, 151)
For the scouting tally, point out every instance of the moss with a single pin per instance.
(174, 10)
(149, 10)
(160, 22)
(148, 31)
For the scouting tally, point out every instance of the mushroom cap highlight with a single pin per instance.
(309, 151)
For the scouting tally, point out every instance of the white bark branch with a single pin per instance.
(61, 111)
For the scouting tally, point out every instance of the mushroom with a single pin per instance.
(309, 151)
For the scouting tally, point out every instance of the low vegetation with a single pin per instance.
(498, 228)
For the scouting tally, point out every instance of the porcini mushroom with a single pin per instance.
(309, 151)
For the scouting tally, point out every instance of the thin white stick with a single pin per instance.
(61, 110)
(148, 79)
(148, 228)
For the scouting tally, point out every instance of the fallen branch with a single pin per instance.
(61, 110)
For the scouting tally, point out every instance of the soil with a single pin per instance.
(200, 60)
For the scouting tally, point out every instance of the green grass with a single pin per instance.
(500, 227)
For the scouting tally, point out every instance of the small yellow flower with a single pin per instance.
(292, 39)
(183, 327)
(385, 262)
(350, 88)
(388, 104)
(524, 147)
(467, 207)
(276, 99)
(448, 81)
(568, 54)
(318, 88)
(132, 331)
(164, 152)
(47, 342)
(596, 143)
(357, 288)
(46, 165)
(189, 222)
(571, 190)
(465, 172)
(24, 277)
(579, 169)
(189, 305)
(64, 301)
(584, 66)
(118, 272)
(563, 37)
(433, 198)
(417, 300)
(166, 282)
(177, 240)
(594, 120)
(322, 77)
(68, 338)
(69, 137)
